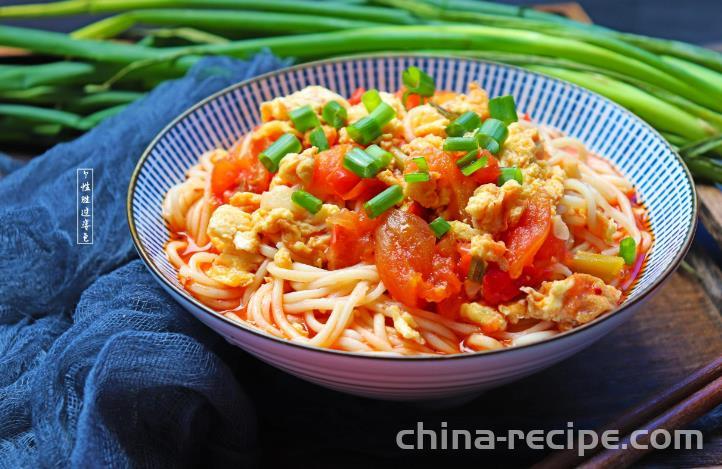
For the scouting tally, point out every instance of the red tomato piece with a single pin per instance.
(489, 173)
(526, 238)
(355, 98)
(442, 281)
(352, 239)
(365, 189)
(497, 286)
(330, 178)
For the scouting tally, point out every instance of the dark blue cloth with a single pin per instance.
(98, 366)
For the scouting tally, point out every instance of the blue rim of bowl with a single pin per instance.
(184, 294)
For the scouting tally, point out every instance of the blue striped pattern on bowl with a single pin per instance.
(637, 150)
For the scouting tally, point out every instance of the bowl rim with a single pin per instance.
(689, 236)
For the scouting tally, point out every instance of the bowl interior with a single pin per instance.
(635, 148)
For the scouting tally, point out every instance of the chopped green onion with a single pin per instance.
(487, 143)
(307, 201)
(382, 114)
(628, 250)
(304, 118)
(503, 109)
(477, 267)
(272, 156)
(384, 201)
(418, 82)
(475, 166)
(460, 144)
(421, 163)
(318, 139)
(379, 153)
(440, 227)
(371, 99)
(466, 122)
(417, 177)
(507, 174)
(334, 114)
(361, 163)
(468, 158)
(495, 129)
(364, 130)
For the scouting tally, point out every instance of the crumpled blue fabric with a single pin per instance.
(98, 366)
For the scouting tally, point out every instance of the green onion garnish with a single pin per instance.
(361, 163)
(371, 99)
(487, 143)
(460, 144)
(307, 201)
(468, 158)
(384, 201)
(379, 153)
(318, 139)
(507, 174)
(421, 163)
(417, 177)
(495, 129)
(466, 122)
(440, 227)
(382, 114)
(418, 82)
(628, 250)
(272, 156)
(364, 130)
(476, 269)
(334, 114)
(470, 169)
(503, 109)
(304, 118)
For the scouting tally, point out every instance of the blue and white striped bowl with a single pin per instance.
(639, 151)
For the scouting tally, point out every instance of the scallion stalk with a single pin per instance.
(495, 129)
(334, 114)
(466, 122)
(503, 108)
(272, 156)
(361, 163)
(318, 139)
(364, 130)
(304, 118)
(417, 177)
(440, 227)
(379, 153)
(508, 174)
(418, 82)
(421, 163)
(471, 168)
(307, 201)
(477, 268)
(460, 144)
(371, 99)
(391, 196)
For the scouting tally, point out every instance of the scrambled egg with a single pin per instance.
(314, 96)
(492, 208)
(234, 269)
(431, 194)
(246, 201)
(475, 100)
(484, 247)
(295, 169)
(425, 120)
(489, 319)
(405, 325)
(575, 300)
(521, 147)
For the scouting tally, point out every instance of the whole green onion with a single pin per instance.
(307, 201)
(371, 99)
(417, 177)
(421, 163)
(628, 250)
(460, 144)
(379, 153)
(466, 122)
(488, 143)
(272, 156)
(470, 169)
(391, 196)
(495, 129)
(361, 163)
(304, 118)
(477, 267)
(334, 114)
(468, 158)
(507, 174)
(503, 108)
(440, 227)
(318, 139)
(418, 82)
(364, 130)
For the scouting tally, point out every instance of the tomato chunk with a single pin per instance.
(330, 178)
(489, 173)
(497, 286)
(352, 239)
(242, 172)
(526, 238)
(355, 98)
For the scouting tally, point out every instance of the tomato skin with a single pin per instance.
(364, 190)
(442, 281)
(526, 238)
(464, 250)
(352, 239)
(330, 178)
(552, 250)
(224, 176)
(355, 97)
(241, 172)
(497, 286)
(488, 174)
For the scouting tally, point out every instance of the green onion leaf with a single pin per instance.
(382, 114)
(417, 177)
(379, 153)
(371, 99)
(361, 163)
(440, 227)
(304, 118)
(384, 201)
(364, 130)
(628, 250)
(466, 122)
(272, 156)
(507, 174)
(495, 129)
(418, 82)
(468, 158)
(477, 267)
(503, 109)
(318, 139)
(475, 166)
(307, 201)
(334, 114)
(460, 144)
(487, 143)
(421, 163)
